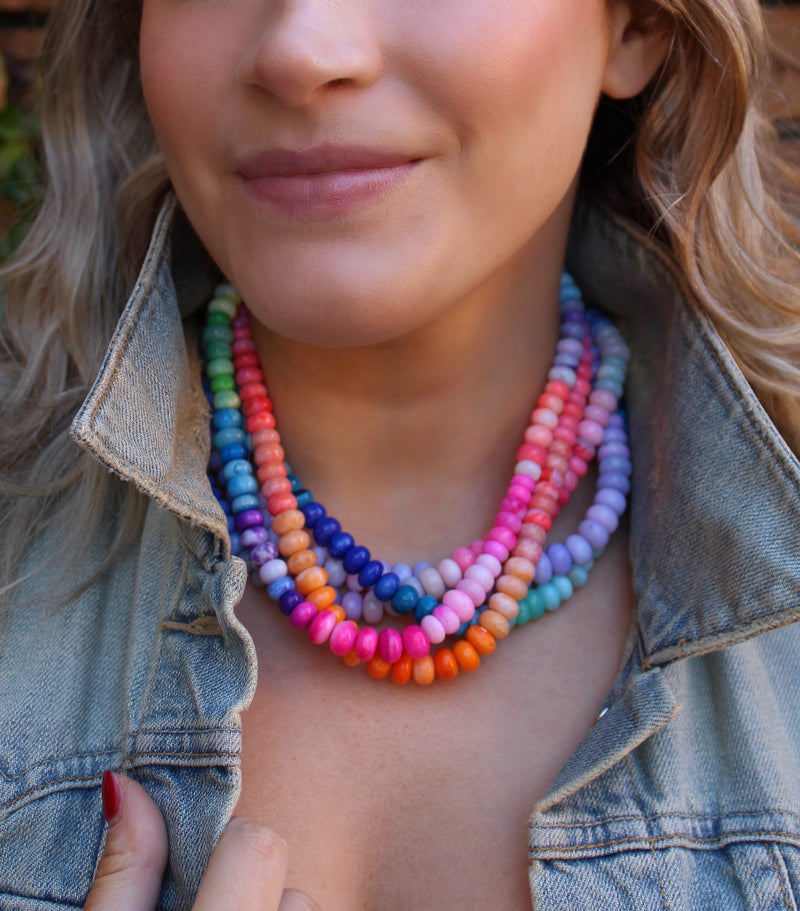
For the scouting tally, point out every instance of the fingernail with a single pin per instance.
(112, 796)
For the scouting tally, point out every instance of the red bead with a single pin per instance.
(259, 421)
(256, 405)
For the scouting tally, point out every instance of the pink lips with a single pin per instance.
(323, 182)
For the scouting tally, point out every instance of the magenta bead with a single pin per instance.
(461, 603)
(508, 520)
(518, 492)
(302, 615)
(497, 550)
(448, 618)
(416, 642)
(524, 480)
(390, 645)
(366, 643)
(477, 547)
(343, 637)
(464, 557)
(505, 536)
(321, 627)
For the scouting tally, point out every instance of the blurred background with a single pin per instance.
(22, 24)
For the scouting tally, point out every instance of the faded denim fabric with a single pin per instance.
(684, 795)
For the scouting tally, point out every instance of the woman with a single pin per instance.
(392, 188)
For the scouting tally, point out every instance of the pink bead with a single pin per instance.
(448, 618)
(508, 520)
(390, 645)
(518, 492)
(482, 575)
(473, 589)
(366, 643)
(504, 536)
(433, 629)
(321, 627)
(461, 603)
(545, 417)
(302, 615)
(343, 637)
(604, 398)
(525, 480)
(578, 466)
(496, 549)
(542, 436)
(464, 557)
(450, 572)
(491, 563)
(591, 432)
(512, 505)
(416, 641)
(598, 414)
(477, 547)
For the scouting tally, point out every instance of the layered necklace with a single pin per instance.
(428, 621)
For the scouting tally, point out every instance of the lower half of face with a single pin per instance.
(360, 169)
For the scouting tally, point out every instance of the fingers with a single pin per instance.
(246, 871)
(129, 873)
(293, 900)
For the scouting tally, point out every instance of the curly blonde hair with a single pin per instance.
(701, 170)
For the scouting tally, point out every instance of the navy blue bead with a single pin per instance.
(386, 586)
(289, 601)
(339, 544)
(370, 573)
(233, 451)
(325, 529)
(405, 599)
(424, 607)
(355, 558)
(313, 512)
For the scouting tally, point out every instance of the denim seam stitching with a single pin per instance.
(648, 819)
(658, 839)
(649, 833)
(742, 853)
(780, 880)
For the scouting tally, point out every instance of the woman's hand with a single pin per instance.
(246, 872)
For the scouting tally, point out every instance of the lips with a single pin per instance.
(323, 182)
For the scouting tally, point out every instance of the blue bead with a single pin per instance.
(560, 559)
(544, 570)
(279, 587)
(463, 628)
(241, 483)
(339, 543)
(236, 543)
(289, 601)
(237, 466)
(386, 586)
(226, 418)
(405, 599)
(370, 573)
(303, 497)
(313, 512)
(245, 501)
(233, 451)
(424, 607)
(231, 522)
(324, 529)
(224, 438)
(355, 558)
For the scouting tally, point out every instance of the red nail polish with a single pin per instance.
(112, 796)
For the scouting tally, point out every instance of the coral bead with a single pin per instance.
(279, 502)
(424, 671)
(293, 541)
(446, 664)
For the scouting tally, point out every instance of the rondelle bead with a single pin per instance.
(446, 665)
(366, 643)
(310, 579)
(386, 586)
(480, 574)
(481, 639)
(513, 586)
(300, 561)
(352, 604)
(424, 671)
(372, 608)
(288, 521)
(560, 558)
(521, 568)
(271, 571)
(595, 533)
(424, 607)
(402, 669)
(323, 597)
(302, 615)
(495, 623)
(313, 512)
(473, 589)
(434, 629)
(464, 557)
(293, 541)
(461, 603)
(336, 572)
(378, 668)
(432, 582)
(343, 637)
(321, 627)
(390, 645)
(369, 574)
(448, 618)
(277, 589)
(325, 529)
(416, 643)
(355, 559)
(289, 601)
(450, 572)
(504, 605)
(339, 544)
(465, 654)
(405, 599)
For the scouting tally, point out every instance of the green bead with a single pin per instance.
(222, 383)
(226, 399)
(223, 305)
(218, 319)
(217, 334)
(227, 291)
(219, 365)
(218, 349)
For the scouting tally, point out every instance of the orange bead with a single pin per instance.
(311, 579)
(293, 541)
(521, 568)
(338, 611)
(351, 659)
(323, 597)
(466, 656)
(288, 521)
(529, 550)
(424, 671)
(377, 667)
(401, 669)
(301, 560)
(511, 585)
(481, 639)
(495, 623)
(446, 664)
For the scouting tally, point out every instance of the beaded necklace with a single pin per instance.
(332, 587)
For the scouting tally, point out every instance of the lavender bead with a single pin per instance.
(595, 533)
(604, 515)
(560, 559)
(615, 481)
(611, 498)
(579, 550)
(253, 536)
(263, 553)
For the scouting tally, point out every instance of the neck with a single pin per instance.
(411, 443)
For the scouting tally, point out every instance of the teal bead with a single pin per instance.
(563, 585)
(244, 502)
(404, 600)
(219, 365)
(549, 592)
(524, 615)
(217, 334)
(578, 576)
(303, 497)
(237, 466)
(215, 318)
(226, 399)
(535, 604)
(218, 349)
(223, 382)
(224, 438)
(223, 305)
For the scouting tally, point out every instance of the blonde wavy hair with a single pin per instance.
(698, 162)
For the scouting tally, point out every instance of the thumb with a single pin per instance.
(129, 874)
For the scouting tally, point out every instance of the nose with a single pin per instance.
(304, 47)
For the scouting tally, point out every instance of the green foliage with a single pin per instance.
(20, 171)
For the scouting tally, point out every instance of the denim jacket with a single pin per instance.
(685, 794)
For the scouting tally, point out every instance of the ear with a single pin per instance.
(639, 45)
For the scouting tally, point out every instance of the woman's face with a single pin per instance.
(358, 167)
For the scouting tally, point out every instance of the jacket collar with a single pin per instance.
(715, 505)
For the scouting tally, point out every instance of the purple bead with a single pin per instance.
(613, 480)
(618, 464)
(615, 435)
(289, 601)
(560, 558)
(604, 515)
(579, 549)
(544, 570)
(611, 498)
(595, 533)
(253, 536)
(613, 449)
(263, 553)
(248, 519)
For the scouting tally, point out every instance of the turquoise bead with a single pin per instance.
(228, 417)
(563, 586)
(224, 438)
(219, 365)
(524, 614)
(227, 399)
(578, 576)
(405, 599)
(237, 466)
(218, 334)
(244, 502)
(535, 604)
(222, 382)
(223, 305)
(549, 592)
(242, 483)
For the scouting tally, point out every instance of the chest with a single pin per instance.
(397, 797)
